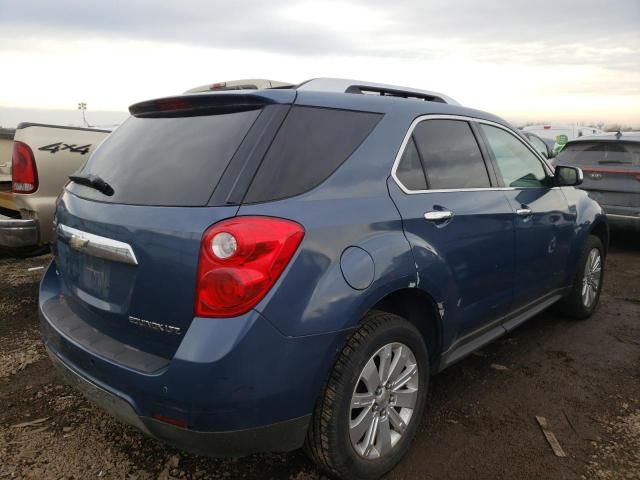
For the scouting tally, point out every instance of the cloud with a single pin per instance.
(506, 56)
(328, 27)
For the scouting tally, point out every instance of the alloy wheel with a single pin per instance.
(592, 277)
(383, 400)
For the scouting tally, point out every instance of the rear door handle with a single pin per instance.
(438, 215)
(523, 212)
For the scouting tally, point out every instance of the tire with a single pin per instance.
(330, 439)
(575, 304)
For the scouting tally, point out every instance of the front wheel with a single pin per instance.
(587, 286)
(373, 402)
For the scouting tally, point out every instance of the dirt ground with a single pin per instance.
(583, 377)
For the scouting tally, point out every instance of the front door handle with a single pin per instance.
(438, 215)
(523, 212)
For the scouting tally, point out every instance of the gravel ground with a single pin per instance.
(583, 377)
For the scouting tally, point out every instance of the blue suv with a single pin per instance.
(260, 270)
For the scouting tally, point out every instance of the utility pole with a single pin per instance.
(82, 106)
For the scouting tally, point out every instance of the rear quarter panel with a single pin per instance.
(588, 217)
(351, 208)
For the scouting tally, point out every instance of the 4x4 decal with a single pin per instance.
(60, 146)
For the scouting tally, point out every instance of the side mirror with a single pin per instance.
(568, 176)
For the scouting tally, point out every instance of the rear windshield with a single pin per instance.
(600, 153)
(166, 161)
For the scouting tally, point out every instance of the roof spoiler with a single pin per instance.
(194, 105)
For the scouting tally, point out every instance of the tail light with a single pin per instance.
(24, 174)
(240, 260)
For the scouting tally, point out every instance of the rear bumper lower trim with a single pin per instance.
(17, 232)
(281, 437)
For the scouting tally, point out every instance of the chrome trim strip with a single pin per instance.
(97, 246)
(19, 223)
(423, 118)
(628, 217)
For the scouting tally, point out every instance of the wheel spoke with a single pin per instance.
(370, 376)
(360, 425)
(398, 364)
(405, 398)
(404, 377)
(370, 437)
(385, 363)
(384, 436)
(361, 400)
(396, 421)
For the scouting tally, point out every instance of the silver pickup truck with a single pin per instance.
(6, 146)
(43, 158)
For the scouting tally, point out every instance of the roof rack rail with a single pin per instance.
(344, 85)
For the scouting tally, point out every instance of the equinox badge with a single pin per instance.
(158, 327)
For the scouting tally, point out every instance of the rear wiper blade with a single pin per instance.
(93, 181)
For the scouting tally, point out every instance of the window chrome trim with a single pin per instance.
(423, 118)
(96, 245)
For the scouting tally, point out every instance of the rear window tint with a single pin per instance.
(311, 144)
(166, 161)
(451, 155)
(410, 171)
(600, 153)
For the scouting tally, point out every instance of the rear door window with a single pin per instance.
(451, 155)
(311, 144)
(166, 161)
(520, 168)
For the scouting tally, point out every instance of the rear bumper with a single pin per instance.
(18, 232)
(284, 436)
(238, 384)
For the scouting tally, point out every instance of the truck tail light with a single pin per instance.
(240, 260)
(24, 175)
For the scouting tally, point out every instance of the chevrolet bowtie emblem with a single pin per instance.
(78, 242)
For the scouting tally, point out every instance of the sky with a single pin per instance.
(535, 60)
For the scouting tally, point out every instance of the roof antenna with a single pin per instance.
(618, 134)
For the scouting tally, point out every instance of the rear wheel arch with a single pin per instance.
(601, 230)
(418, 308)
